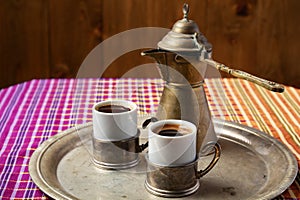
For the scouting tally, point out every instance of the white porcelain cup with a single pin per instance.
(114, 125)
(167, 149)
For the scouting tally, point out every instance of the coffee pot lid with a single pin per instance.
(185, 36)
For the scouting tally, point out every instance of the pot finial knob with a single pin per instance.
(185, 10)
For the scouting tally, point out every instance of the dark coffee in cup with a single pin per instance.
(110, 108)
(115, 134)
(172, 130)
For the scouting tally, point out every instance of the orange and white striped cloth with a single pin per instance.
(277, 114)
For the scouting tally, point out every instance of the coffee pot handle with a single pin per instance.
(217, 154)
(270, 85)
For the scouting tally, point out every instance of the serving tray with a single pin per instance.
(253, 165)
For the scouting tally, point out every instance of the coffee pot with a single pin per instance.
(183, 56)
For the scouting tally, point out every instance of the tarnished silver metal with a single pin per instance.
(217, 154)
(185, 37)
(173, 182)
(182, 56)
(117, 154)
(253, 165)
(177, 181)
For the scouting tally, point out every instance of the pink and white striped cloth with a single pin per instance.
(33, 111)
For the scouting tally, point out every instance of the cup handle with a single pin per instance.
(148, 121)
(142, 147)
(215, 159)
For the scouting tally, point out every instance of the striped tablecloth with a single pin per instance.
(33, 111)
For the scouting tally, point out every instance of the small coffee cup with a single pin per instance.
(172, 163)
(172, 142)
(114, 120)
(177, 181)
(115, 134)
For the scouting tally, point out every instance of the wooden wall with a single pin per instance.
(50, 38)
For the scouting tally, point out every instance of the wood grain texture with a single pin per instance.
(74, 30)
(51, 38)
(24, 41)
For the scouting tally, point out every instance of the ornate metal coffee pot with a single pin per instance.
(182, 57)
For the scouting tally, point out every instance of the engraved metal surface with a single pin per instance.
(175, 181)
(116, 154)
(253, 165)
(270, 85)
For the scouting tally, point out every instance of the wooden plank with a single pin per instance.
(278, 41)
(24, 41)
(288, 22)
(230, 28)
(269, 37)
(74, 27)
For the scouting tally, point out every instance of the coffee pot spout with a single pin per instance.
(157, 54)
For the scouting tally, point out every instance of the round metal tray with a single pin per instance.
(253, 165)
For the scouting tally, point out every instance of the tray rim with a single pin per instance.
(55, 193)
